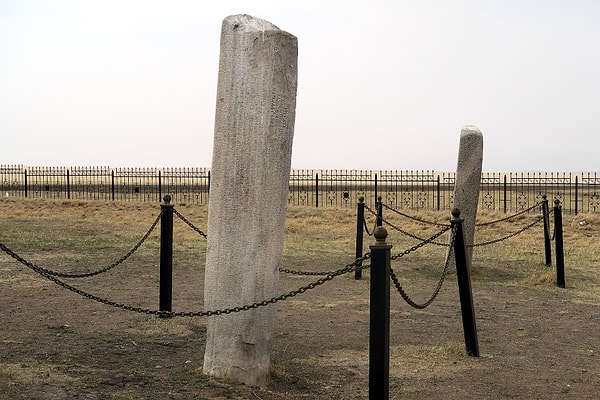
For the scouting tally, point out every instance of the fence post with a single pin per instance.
(112, 184)
(576, 195)
(438, 192)
(376, 196)
(558, 243)
(504, 189)
(26, 189)
(166, 255)
(379, 207)
(360, 217)
(464, 285)
(159, 186)
(317, 190)
(68, 185)
(546, 216)
(379, 320)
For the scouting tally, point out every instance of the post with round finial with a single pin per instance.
(546, 217)
(379, 320)
(558, 245)
(464, 284)
(166, 255)
(360, 218)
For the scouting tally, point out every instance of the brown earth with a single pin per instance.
(537, 341)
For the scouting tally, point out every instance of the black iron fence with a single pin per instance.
(504, 192)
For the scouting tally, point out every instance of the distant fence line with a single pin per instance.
(504, 192)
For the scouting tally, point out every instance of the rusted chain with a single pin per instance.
(439, 285)
(422, 243)
(348, 268)
(411, 217)
(85, 274)
(413, 235)
(510, 216)
(191, 225)
(511, 235)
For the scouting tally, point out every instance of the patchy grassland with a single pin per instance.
(537, 341)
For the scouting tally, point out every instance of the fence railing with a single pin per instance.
(504, 192)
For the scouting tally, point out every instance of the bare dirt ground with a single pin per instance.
(537, 341)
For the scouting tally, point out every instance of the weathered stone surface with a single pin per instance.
(254, 125)
(468, 179)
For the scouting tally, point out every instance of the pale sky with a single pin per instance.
(382, 85)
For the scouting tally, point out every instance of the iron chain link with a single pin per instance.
(511, 235)
(85, 274)
(441, 281)
(42, 271)
(510, 216)
(191, 225)
(411, 217)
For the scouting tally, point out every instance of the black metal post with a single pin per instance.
(68, 185)
(112, 184)
(464, 286)
(546, 216)
(438, 192)
(379, 320)
(166, 255)
(376, 196)
(26, 189)
(159, 186)
(558, 243)
(360, 217)
(379, 212)
(576, 195)
(317, 190)
(505, 191)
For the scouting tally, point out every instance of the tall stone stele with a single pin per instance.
(254, 127)
(468, 181)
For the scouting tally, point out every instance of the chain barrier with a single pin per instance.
(411, 217)
(423, 243)
(367, 228)
(510, 216)
(413, 235)
(440, 283)
(304, 273)
(184, 219)
(511, 235)
(86, 274)
(42, 271)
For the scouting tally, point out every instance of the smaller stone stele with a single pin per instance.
(467, 182)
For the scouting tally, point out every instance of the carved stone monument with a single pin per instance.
(254, 126)
(467, 181)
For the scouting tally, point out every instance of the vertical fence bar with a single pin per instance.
(68, 185)
(576, 194)
(317, 190)
(166, 255)
(25, 183)
(546, 216)
(558, 243)
(504, 191)
(376, 196)
(159, 186)
(379, 206)
(112, 184)
(438, 192)
(360, 217)
(379, 319)
(463, 266)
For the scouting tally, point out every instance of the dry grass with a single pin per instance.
(71, 235)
